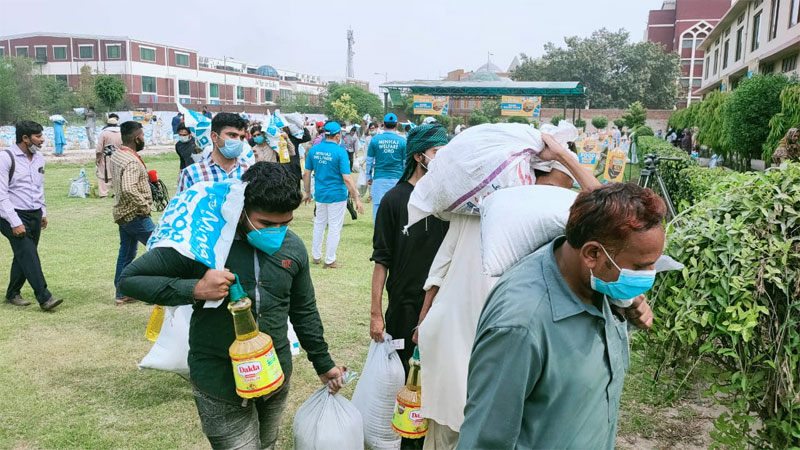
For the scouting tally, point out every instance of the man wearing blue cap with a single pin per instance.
(386, 154)
(332, 181)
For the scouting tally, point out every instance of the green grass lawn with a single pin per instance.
(69, 378)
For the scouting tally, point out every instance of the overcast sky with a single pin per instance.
(411, 39)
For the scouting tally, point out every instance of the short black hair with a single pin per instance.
(113, 115)
(128, 129)
(183, 127)
(390, 125)
(407, 127)
(255, 128)
(271, 188)
(27, 128)
(225, 119)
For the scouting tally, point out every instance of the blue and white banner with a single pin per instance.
(198, 123)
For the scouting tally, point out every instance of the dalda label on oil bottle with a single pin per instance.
(407, 422)
(257, 375)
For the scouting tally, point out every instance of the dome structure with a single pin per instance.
(489, 67)
(483, 76)
(268, 71)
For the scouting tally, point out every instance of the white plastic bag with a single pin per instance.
(79, 188)
(477, 162)
(295, 123)
(515, 222)
(171, 350)
(294, 344)
(327, 422)
(375, 395)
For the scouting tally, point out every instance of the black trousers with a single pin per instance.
(26, 264)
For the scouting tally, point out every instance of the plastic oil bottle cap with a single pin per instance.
(416, 352)
(237, 291)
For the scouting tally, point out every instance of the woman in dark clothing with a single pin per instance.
(186, 146)
(686, 141)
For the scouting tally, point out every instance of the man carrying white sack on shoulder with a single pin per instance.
(457, 289)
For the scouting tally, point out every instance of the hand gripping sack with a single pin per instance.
(382, 378)
(199, 223)
(477, 162)
(327, 422)
(515, 222)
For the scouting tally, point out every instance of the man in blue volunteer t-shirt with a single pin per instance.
(331, 167)
(386, 153)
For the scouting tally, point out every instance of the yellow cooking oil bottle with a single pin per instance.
(155, 323)
(255, 364)
(283, 150)
(407, 421)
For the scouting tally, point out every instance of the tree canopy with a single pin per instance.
(363, 101)
(614, 71)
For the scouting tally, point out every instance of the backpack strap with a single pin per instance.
(13, 165)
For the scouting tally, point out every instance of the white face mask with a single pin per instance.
(33, 148)
(183, 139)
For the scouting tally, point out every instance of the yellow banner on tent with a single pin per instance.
(615, 165)
(520, 106)
(589, 154)
(431, 105)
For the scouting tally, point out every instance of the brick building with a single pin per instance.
(680, 26)
(160, 73)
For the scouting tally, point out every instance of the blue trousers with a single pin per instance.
(130, 235)
(379, 188)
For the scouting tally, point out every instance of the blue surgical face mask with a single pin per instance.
(630, 284)
(232, 149)
(269, 239)
(258, 139)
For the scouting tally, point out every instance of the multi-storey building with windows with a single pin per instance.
(680, 26)
(159, 73)
(754, 36)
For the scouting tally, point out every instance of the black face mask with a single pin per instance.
(139, 146)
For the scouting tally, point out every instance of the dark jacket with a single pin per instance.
(281, 289)
(185, 150)
(294, 160)
(176, 122)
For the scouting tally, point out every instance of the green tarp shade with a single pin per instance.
(396, 96)
(488, 88)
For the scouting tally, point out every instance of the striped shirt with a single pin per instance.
(208, 170)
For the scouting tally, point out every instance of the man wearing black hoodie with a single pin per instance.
(186, 146)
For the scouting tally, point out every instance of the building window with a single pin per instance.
(725, 53)
(239, 93)
(716, 61)
(739, 41)
(213, 90)
(86, 51)
(182, 59)
(687, 43)
(149, 85)
(756, 32)
(61, 78)
(2, 52)
(686, 63)
(40, 53)
(794, 13)
(685, 82)
(789, 64)
(708, 66)
(767, 68)
(695, 82)
(113, 52)
(773, 19)
(147, 54)
(183, 87)
(267, 97)
(740, 20)
(22, 52)
(60, 53)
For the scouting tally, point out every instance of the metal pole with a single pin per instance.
(564, 116)
(386, 103)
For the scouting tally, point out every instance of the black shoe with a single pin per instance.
(17, 300)
(50, 304)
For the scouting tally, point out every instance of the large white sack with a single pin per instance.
(515, 222)
(327, 422)
(376, 392)
(477, 162)
(171, 349)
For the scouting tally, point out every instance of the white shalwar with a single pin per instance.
(448, 331)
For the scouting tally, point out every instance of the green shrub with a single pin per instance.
(789, 117)
(643, 130)
(600, 122)
(699, 181)
(709, 121)
(620, 123)
(736, 305)
(477, 117)
(670, 171)
(746, 117)
(580, 123)
(634, 117)
(518, 119)
(557, 118)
